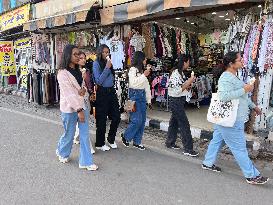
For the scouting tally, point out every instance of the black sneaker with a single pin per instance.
(173, 147)
(212, 168)
(124, 141)
(259, 180)
(191, 153)
(140, 147)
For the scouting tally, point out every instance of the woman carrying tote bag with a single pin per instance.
(230, 87)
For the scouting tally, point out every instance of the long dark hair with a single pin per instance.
(66, 57)
(101, 61)
(137, 61)
(179, 64)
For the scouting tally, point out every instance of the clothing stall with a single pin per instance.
(205, 37)
(42, 80)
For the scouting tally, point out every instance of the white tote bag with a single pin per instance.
(222, 113)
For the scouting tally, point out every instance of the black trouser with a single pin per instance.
(106, 105)
(179, 121)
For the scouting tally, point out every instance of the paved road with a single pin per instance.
(30, 173)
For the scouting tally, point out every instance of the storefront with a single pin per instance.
(163, 30)
(203, 32)
(56, 24)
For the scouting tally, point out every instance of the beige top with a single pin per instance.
(139, 81)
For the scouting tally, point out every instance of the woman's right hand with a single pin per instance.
(188, 83)
(81, 116)
(147, 72)
(248, 88)
(109, 64)
(192, 79)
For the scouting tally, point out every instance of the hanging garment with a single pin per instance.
(167, 44)
(158, 42)
(138, 42)
(12, 80)
(47, 91)
(269, 50)
(263, 49)
(256, 50)
(161, 41)
(252, 41)
(148, 50)
(35, 87)
(173, 43)
(117, 54)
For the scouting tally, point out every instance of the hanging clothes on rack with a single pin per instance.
(43, 88)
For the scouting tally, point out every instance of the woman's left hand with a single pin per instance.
(258, 111)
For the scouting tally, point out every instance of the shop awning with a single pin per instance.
(140, 8)
(51, 14)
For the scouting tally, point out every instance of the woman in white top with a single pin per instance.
(178, 91)
(140, 92)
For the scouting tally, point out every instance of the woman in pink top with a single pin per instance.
(74, 109)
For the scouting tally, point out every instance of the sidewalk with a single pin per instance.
(200, 127)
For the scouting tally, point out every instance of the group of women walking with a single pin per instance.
(78, 88)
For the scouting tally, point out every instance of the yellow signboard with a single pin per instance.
(14, 18)
(7, 63)
(22, 43)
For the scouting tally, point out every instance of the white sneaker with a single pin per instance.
(113, 146)
(75, 141)
(93, 151)
(103, 148)
(61, 159)
(92, 167)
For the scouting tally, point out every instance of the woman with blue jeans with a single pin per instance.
(74, 109)
(139, 91)
(89, 95)
(231, 87)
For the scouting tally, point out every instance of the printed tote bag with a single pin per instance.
(222, 113)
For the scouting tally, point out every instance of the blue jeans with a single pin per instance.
(234, 137)
(70, 121)
(136, 126)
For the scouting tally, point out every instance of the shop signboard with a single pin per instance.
(53, 7)
(23, 56)
(7, 63)
(14, 18)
